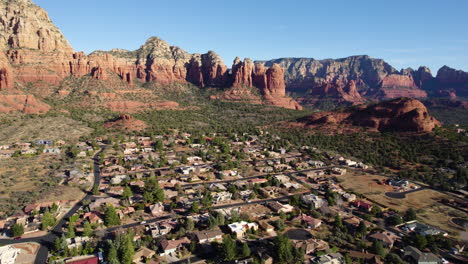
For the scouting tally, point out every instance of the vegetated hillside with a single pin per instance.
(449, 111)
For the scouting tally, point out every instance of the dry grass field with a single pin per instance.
(34, 128)
(425, 201)
(31, 179)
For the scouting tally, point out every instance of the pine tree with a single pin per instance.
(378, 249)
(71, 230)
(87, 229)
(189, 224)
(112, 257)
(195, 208)
(229, 248)
(127, 193)
(245, 250)
(127, 250)
(111, 218)
(47, 220)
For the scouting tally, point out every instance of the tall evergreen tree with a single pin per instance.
(229, 248)
(111, 218)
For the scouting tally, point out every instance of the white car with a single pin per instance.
(142, 222)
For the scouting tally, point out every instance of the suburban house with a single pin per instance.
(422, 229)
(103, 201)
(308, 221)
(207, 236)
(279, 207)
(416, 256)
(157, 209)
(221, 197)
(332, 258)
(339, 171)
(169, 247)
(387, 238)
(90, 259)
(266, 226)
(400, 183)
(366, 207)
(143, 254)
(311, 245)
(240, 228)
(313, 199)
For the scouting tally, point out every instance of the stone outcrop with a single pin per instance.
(126, 122)
(269, 82)
(242, 73)
(401, 115)
(6, 74)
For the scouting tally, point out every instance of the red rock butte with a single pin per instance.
(400, 115)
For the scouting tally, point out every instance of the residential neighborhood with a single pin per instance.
(174, 198)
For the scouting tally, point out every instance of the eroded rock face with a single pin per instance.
(242, 72)
(403, 115)
(127, 122)
(452, 76)
(6, 74)
(322, 78)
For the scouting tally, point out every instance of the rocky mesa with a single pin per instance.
(401, 115)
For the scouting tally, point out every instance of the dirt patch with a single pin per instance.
(426, 201)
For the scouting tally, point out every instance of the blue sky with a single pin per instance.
(405, 33)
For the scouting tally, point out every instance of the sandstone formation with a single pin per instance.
(33, 50)
(127, 122)
(269, 82)
(452, 82)
(402, 115)
(372, 77)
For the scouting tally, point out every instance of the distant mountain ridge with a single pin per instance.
(34, 53)
(374, 78)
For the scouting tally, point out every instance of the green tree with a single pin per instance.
(362, 229)
(338, 223)
(127, 193)
(158, 194)
(87, 229)
(17, 230)
(112, 256)
(71, 230)
(111, 218)
(420, 241)
(189, 224)
(378, 249)
(148, 197)
(194, 209)
(47, 220)
(394, 220)
(284, 249)
(127, 250)
(245, 250)
(410, 215)
(229, 248)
